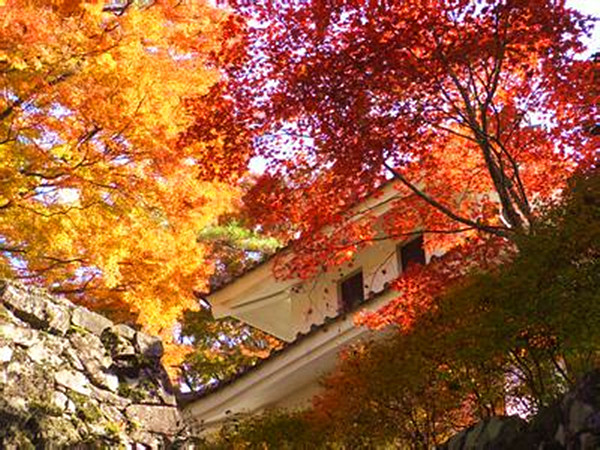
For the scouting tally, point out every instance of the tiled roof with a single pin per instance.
(250, 268)
(220, 285)
(190, 397)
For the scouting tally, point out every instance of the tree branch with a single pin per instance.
(497, 231)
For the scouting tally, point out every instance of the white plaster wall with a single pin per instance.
(303, 304)
(317, 299)
(271, 317)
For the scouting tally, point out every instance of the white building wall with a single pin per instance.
(294, 306)
(316, 300)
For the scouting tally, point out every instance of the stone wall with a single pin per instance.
(69, 376)
(571, 424)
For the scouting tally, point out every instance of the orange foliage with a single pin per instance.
(97, 199)
(479, 111)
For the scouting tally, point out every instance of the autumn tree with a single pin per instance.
(515, 338)
(224, 347)
(99, 198)
(236, 248)
(479, 111)
(220, 349)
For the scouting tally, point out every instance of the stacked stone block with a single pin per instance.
(69, 376)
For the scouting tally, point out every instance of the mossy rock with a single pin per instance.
(134, 393)
(86, 409)
(15, 438)
(5, 315)
(58, 431)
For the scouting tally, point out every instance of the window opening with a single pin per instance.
(410, 253)
(351, 292)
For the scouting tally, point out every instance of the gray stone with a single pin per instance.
(93, 356)
(17, 298)
(157, 419)
(117, 344)
(144, 440)
(19, 335)
(72, 357)
(59, 318)
(59, 431)
(5, 354)
(144, 390)
(96, 429)
(124, 331)
(168, 398)
(560, 435)
(147, 345)
(16, 404)
(111, 382)
(18, 369)
(61, 301)
(494, 426)
(71, 408)
(60, 401)
(89, 348)
(107, 397)
(113, 412)
(75, 381)
(45, 352)
(90, 351)
(474, 434)
(123, 351)
(574, 422)
(60, 385)
(36, 309)
(89, 320)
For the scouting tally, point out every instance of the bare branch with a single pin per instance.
(498, 231)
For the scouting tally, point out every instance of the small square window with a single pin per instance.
(351, 292)
(410, 253)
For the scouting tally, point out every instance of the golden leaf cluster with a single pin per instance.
(97, 200)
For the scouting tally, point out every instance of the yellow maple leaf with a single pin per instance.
(107, 61)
